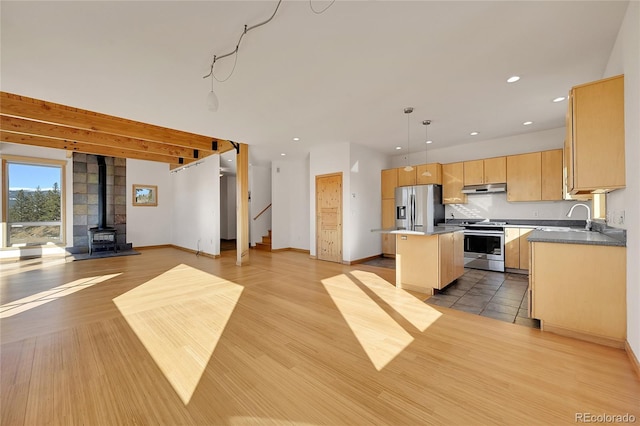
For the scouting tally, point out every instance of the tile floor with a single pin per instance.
(502, 296)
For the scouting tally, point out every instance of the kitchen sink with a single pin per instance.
(563, 229)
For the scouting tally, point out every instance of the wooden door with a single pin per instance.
(329, 217)
(388, 221)
(388, 183)
(436, 174)
(524, 248)
(445, 247)
(406, 178)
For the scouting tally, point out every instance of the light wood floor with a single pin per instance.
(170, 338)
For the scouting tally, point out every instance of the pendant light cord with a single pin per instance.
(235, 51)
(246, 30)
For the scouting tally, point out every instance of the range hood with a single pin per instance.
(484, 189)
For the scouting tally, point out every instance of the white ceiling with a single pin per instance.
(345, 75)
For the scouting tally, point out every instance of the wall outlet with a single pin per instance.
(536, 213)
(619, 217)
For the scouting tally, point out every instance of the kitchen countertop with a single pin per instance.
(573, 237)
(440, 229)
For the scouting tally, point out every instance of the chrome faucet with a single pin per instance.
(588, 225)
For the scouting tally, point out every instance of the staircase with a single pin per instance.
(265, 245)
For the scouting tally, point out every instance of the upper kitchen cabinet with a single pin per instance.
(389, 181)
(435, 169)
(524, 177)
(490, 170)
(452, 183)
(551, 178)
(594, 146)
(535, 177)
(406, 178)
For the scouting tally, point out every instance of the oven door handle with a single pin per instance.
(484, 233)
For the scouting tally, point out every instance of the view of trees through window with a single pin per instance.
(34, 204)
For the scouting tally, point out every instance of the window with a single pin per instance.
(33, 202)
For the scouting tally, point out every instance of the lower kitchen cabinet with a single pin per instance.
(580, 290)
(388, 221)
(428, 262)
(516, 248)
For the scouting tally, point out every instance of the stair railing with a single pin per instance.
(263, 210)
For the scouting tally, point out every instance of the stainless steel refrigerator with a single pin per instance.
(419, 207)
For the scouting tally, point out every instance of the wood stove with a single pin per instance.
(102, 237)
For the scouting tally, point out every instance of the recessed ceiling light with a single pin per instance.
(429, 142)
(283, 154)
(513, 79)
(229, 160)
(474, 133)
(296, 139)
(398, 147)
(559, 99)
(526, 123)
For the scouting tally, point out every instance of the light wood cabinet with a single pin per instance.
(389, 182)
(436, 174)
(595, 144)
(551, 178)
(536, 176)
(428, 262)
(474, 172)
(452, 183)
(524, 177)
(489, 170)
(388, 221)
(406, 178)
(516, 248)
(580, 290)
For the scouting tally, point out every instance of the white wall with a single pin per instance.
(625, 59)
(519, 144)
(365, 206)
(327, 159)
(228, 200)
(260, 187)
(290, 198)
(196, 201)
(146, 225)
(51, 154)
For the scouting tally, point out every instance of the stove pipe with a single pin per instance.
(102, 193)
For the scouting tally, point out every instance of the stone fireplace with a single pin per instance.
(99, 204)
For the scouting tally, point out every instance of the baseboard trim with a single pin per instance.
(202, 253)
(297, 250)
(364, 259)
(632, 358)
(601, 340)
(153, 247)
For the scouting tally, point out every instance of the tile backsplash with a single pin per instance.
(488, 206)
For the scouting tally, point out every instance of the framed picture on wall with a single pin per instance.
(145, 195)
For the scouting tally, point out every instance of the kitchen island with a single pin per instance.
(426, 261)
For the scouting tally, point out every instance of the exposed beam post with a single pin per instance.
(242, 205)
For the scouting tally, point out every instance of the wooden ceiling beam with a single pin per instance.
(86, 148)
(39, 128)
(35, 109)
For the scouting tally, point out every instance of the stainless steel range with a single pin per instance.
(484, 245)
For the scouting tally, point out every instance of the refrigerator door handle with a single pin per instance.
(413, 212)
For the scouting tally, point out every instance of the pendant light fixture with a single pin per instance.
(408, 168)
(426, 142)
(212, 98)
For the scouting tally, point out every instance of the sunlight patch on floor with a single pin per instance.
(10, 309)
(381, 337)
(179, 316)
(418, 313)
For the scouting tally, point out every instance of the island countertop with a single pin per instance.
(436, 230)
